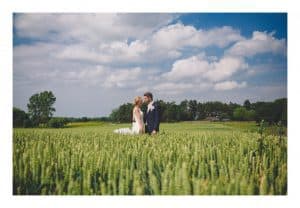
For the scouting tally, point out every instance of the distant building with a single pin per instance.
(212, 118)
(225, 119)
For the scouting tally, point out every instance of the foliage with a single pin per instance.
(40, 107)
(242, 114)
(20, 118)
(190, 110)
(86, 119)
(122, 114)
(271, 112)
(186, 158)
(57, 122)
(247, 105)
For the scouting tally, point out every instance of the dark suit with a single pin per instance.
(151, 119)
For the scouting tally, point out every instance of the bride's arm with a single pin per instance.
(137, 116)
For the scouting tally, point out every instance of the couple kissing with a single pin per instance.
(143, 122)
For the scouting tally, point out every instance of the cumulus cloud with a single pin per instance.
(132, 53)
(89, 28)
(105, 77)
(229, 85)
(201, 72)
(89, 76)
(107, 38)
(179, 35)
(125, 38)
(225, 68)
(105, 53)
(166, 43)
(173, 88)
(261, 42)
(124, 78)
(39, 63)
(36, 61)
(190, 67)
(201, 67)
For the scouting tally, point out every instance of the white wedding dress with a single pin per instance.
(135, 129)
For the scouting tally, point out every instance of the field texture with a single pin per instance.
(189, 158)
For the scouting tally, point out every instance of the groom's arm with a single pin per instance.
(156, 117)
(144, 117)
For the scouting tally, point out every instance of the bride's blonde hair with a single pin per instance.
(136, 100)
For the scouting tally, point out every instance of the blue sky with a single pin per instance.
(247, 22)
(95, 62)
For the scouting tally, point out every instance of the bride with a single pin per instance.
(138, 126)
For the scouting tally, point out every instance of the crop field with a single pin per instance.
(186, 158)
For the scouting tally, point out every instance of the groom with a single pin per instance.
(151, 117)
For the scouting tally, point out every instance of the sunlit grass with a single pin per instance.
(186, 158)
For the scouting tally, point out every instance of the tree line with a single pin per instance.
(40, 112)
(191, 110)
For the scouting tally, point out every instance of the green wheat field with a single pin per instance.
(187, 158)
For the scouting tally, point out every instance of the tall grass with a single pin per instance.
(178, 162)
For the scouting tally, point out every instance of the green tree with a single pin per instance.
(271, 112)
(57, 122)
(192, 109)
(242, 114)
(40, 107)
(200, 111)
(171, 112)
(19, 117)
(247, 105)
(183, 111)
(280, 110)
(231, 107)
(162, 112)
(250, 115)
(122, 114)
(114, 115)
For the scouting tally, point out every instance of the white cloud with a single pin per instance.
(225, 68)
(102, 77)
(106, 38)
(191, 67)
(85, 75)
(229, 85)
(126, 54)
(82, 53)
(39, 63)
(201, 67)
(105, 53)
(164, 44)
(122, 51)
(89, 28)
(179, 35)
(261, 42)
(172, 88)
(123, 78)
(201, 72)
(126, 38)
